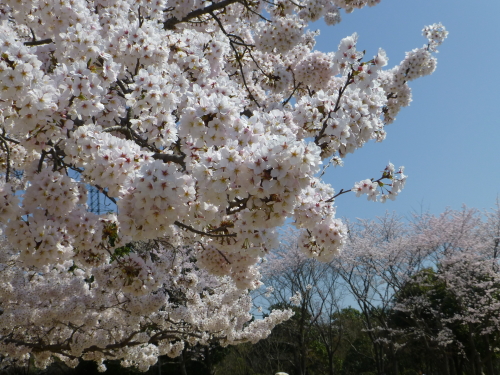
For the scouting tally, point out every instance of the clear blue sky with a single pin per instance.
(449, 137)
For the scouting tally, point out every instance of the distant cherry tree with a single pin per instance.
(427, 290)
(430, 285)
(453, 304)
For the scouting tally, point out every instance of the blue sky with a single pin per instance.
(449, 137)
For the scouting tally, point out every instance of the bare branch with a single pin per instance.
(237, 56)
(171, 22)
(178, 159)
(7, 150)
(337, 107)
(191, 229)
(38, 42)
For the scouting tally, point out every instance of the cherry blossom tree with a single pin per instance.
(430, 285)
(206, 124)
(153, 301)
(454, 307)
(313, 288)
(379, 258)
(427, 290)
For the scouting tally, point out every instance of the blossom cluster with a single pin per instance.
(373, 189)
(160, 298)
(203, 123)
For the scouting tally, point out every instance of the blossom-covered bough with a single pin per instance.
(206, 123)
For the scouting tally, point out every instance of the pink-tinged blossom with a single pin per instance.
(212, 133)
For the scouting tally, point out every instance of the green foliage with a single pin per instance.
(359, 358)
(122, 251)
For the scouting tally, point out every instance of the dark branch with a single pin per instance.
(337, 107)
(292, 94)
(191, 229)
(237, 56)
(38, 42)
(342, 191)
(247, 113)
(40, 162)
(7, 150)
(171, 22)
(9, 139)
(220, 252)
(178, 159)
(237, 205)
(103, 192)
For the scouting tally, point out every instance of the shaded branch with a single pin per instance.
(220, 252)
(4, 137)
(40, 162)
(337, 107)
(171, 22)
(237, 56)
(178, 159)
(191, 229)
(105, 193)
(293, 93)
(38, 42)
(7, 150)
(237, 205)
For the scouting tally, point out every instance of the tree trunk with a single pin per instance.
(476, 359)
(208, 360)
(395, 363)
(376, 347)
(453, 369)
(300, 365)
(182, 363)
(459, 365)
(446, 365)
(395, 367)
(331, 364)
(489, 356)
(380, 359)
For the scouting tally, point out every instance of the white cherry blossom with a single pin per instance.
(205, 123)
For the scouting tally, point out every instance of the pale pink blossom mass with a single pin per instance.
(207, 124)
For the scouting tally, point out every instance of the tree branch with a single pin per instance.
(191, 229)
(178, 159)
(342, 191)
(3, 136)
(7, 151)
(237, 205)
(337, 107)
(171, 22)
(38, 42)
(238, 58)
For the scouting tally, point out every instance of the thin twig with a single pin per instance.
(7, 150)
(336, 108)
(105, 193)
(245, 4)
(342, 191)
(238, 58)
(220, 252)
(292, 94)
